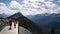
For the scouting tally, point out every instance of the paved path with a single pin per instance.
(13, 31)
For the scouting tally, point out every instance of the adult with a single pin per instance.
(10, 23)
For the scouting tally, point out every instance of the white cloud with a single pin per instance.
(4, 9)
(14, 4)
(34, 7)
(31, 7)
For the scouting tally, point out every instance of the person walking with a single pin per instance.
(10, 23)
(14, 21)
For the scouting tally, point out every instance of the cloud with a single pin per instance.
(14, 5)
(34, 7)
(31, 7)
(4, 9)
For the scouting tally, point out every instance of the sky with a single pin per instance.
(29, 7)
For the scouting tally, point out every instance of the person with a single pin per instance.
(10, 23)
(14, 23)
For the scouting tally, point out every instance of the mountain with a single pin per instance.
(4, 15)
(44, 19)
(39, 23)
(27, 23)
(47, 21)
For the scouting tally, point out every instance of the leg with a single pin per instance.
(15, 26)
(10, 27)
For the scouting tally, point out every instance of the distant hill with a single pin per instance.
(1, 17)
(47, 21)
(4, 15)
(44, 19)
